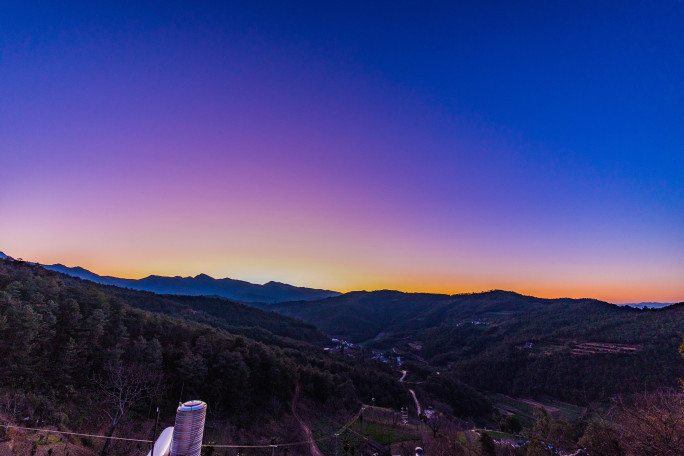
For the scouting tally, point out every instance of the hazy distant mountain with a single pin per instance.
(5, 257)
(648, 305)
(204, 285)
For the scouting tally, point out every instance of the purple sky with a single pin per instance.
(401, 145)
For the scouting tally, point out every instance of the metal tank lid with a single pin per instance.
(192, 405)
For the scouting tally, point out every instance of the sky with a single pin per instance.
(421, 146)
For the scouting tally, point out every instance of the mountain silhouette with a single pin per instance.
(204, 285)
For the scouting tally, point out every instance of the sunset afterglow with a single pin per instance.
(403, 148)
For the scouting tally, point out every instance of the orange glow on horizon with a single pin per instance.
(343, 280)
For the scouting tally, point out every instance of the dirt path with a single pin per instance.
(307, 430)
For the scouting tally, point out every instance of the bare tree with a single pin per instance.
(10, 404)
(122, 386)
(435, 422)
(653, 424)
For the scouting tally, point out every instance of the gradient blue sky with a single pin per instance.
(421, 146)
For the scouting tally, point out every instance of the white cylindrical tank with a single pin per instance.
(162, 447)
(189, 429)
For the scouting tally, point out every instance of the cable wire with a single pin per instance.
(74, 433)
(98, 436)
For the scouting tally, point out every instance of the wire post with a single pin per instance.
(154, 434)
(273, 445)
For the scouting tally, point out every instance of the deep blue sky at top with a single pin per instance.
(598, 79)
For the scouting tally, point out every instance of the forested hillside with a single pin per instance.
(69, 346)
(573, 349)
(222, 313)
(64, 341)
(583, 352)
(387, 315)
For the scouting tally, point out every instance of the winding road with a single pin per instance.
(413, 393)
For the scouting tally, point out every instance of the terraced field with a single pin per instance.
(524, 408)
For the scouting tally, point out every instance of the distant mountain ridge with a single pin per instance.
(361, 316)
(204, 285)
(648, 305)
(502, 341)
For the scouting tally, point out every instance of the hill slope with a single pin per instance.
(62, 338)
(360, 316)
(572, 349)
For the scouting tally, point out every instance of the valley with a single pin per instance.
(452, 367)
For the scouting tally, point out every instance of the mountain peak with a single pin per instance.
(274, 284)
(203, 277)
